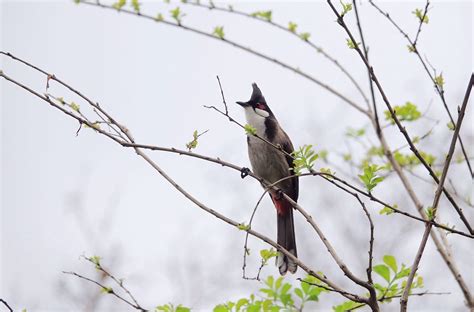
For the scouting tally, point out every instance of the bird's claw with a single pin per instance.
(244, 172)
(279, 194)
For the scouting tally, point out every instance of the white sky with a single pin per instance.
(63, 196)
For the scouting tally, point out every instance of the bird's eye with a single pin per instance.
(260, 106)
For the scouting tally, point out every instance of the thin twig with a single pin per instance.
(308, 41)
(401, 128)
(419, 254)
(6, 304)
(439, 90)
(238, 46)
(106, 289)
(120, 283)
(139, 152)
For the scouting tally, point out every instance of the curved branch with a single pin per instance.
(238, 46)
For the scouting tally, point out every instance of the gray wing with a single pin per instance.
(288, 147)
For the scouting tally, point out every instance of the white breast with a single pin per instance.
(256, 120)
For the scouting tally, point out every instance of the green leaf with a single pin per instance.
(219, 32)
(298, 292)
(383, 271)
(106, 290)
(136, 6)
(369, 178)
(220, 308)
(423, 18)
(345, 306)
(75, 107)
(450, 125)
(243, 227)
(407, 112)
(439, 81)
(265, 15)
(351, 44)
(430, 213)
(323, 154)
(292, 27)
(95, 260)
(304, 36)
(249, 130)
(240, 303)
(177, 15)
(386, 211)
(391, 262)
(304, 158)
(159, 17)
(267, 254)
(119, 4)
(355, 133)
(328, 171)
(182, 309)
(346, 7)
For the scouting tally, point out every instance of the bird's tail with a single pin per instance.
(285, 235)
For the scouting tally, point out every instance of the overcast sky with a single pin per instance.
(63, 196)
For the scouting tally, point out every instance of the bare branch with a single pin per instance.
(107, 289)
(6, 304)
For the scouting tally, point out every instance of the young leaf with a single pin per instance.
(450, 125)
(422, 17)
(305, 36)
(243, 227)
(159, 17)
(346, 7)
(383, 271)
(386, 211)
(292, 27)
(177, 15)
(370, 178)
(106, 290)
(351, 44)
(407, 112)
(249, 130)
(95, 260)
(439, 81)
(265, 15)
(119, 4)
(219, 32)
(75, 107)
(136, 6)
(391, 262)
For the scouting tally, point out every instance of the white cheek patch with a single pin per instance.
(262, 113)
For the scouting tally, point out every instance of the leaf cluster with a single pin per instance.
(275, 296)
(394, 278)
(407, 112)
(265, 15)
(421, 16)
(304, 158)
(370, 177)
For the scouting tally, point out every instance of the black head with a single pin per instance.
(257, 101)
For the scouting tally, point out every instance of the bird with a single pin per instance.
(271, 164)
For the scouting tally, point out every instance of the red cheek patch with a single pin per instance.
(260, 106)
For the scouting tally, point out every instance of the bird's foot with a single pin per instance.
(244, 172)
(279, 194)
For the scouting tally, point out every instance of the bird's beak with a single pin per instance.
(243, 104)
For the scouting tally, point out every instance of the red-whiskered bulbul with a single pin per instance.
(272, 165)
